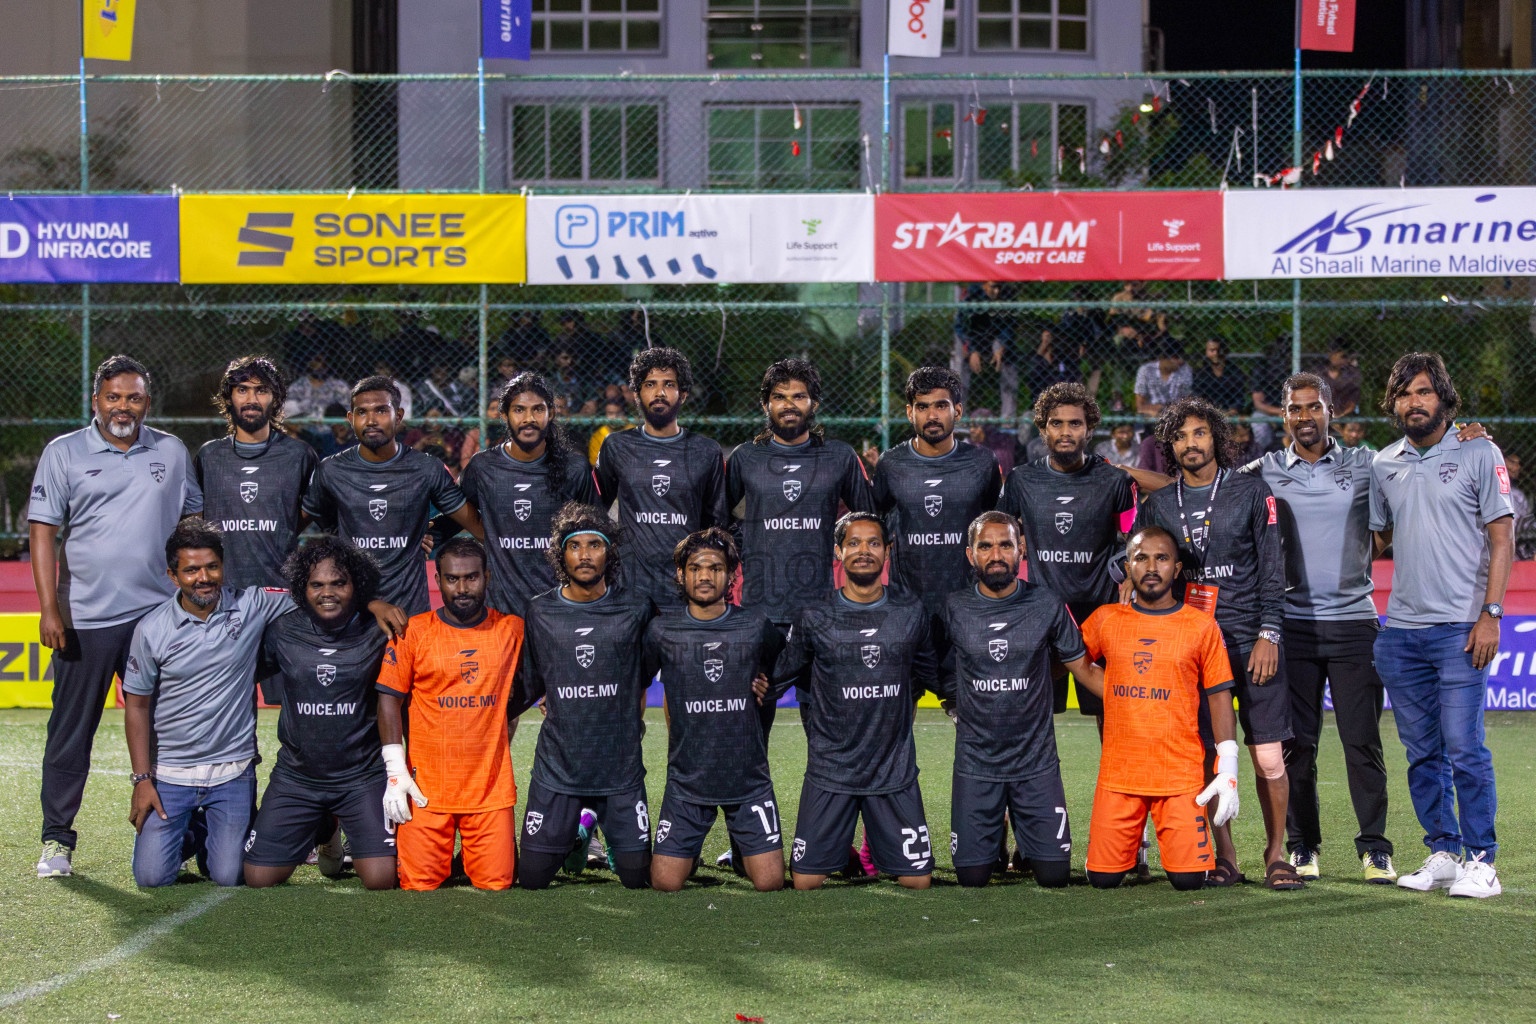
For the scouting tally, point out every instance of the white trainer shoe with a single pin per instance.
(1477, 880)
(55, 861)
(1439, 871)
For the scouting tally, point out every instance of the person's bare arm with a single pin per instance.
(467, 516)
(389, 719)
(1147, 480)
(1381, 540)
(1223, 718)
(136, 726)
(45, 577)
(1146, 408)
(1484, 640)
(1087, 675)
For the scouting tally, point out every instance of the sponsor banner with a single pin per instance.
(82, 239)
(915, 28)
(106, 29)
(396, 239)
(1048, 236)
(1386, 232)
(506, 29)
(1327, 25)
(700, 239)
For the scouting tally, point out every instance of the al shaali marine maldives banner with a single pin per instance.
(700, 239)
(81, 239)
(1381, 232)
(373, 239)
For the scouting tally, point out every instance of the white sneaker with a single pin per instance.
(1477, 880)
(1439, 871)
(54, 862)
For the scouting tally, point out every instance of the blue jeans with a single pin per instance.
(157, 852)
(1437, 700)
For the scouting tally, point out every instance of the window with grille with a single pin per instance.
(585, 142)
(596, 26)
(1032, 25)
(785, 148)
(1002, 141)
(795, 34)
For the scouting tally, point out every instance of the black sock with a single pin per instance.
(1184, 881)
(976, 875)
(1051, 874)
(633, 868)
(1106, 879)
(537, 868)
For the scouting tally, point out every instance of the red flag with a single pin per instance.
(1327, 25)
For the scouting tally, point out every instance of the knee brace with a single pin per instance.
(1184, 881)
(975, 876)
(537, 868)
(1051, 874)
(1269, 760)
(1106, 879)
(633, 868)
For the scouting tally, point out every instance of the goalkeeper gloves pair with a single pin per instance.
(402, 787)
(1223, 788)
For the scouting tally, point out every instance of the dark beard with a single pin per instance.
(246, 424)
(661, 420)
(376, 447)
(997, 579)
(787, 435)
(467, 612)
(1157, 595)
(1438, 420)
(530, 447)
(863, 579)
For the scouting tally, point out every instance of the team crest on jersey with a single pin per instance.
(157, 470)
(378, 508)
(585, 653)
(389, 655)
(469, 672)
(871, 655)
(663, 829)
(1142, 660)
(714, 668)
(247, 491)
(522, 508)
(1448, 472)
(933, 504)
(799, 850)
(998, 648)
(235, 626)
(660, 485)
(533, 822)
(325, 675)
(1063, 522)
(1343, 479)
(792, 490)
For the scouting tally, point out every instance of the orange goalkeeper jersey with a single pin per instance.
(1159, 665)
(458, 679)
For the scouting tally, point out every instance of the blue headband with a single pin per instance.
(578, 533)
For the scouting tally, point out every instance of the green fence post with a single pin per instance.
(85, 289)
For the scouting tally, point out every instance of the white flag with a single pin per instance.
(916, 28)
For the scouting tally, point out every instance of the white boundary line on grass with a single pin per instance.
(129, 947)
(32, 766)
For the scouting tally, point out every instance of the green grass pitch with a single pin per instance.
(317, 950)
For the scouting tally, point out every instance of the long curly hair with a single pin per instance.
(1173, 417)
(782, 372)
(575, 517)
(245, 370)
(1409, 367)
(558, 448)
(1066, 393)
(661, 358)
(712, 538)
(358, 567)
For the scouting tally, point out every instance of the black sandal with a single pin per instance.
(1225, 873)
(1281, 875)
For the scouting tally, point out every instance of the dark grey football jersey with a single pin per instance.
(785, 501)
(859, 668)
(1001, 679)
(255, 498)
(325, 682)
(383, 508)
(929, 504)
(517, 506)
(1071, 525)
(716, 753)
(583, 659)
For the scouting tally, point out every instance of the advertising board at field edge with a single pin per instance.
(1049, 236)
(669, 239)
(1381, 232)
(85, 239)
(333, 239)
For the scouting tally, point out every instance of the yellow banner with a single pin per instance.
(26, 666)
(330, 239)
(107, 29)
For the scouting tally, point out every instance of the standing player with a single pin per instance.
(104, 499)
(859, 657)
(1230, 555)
(667, 481)
(455, 666)
(519, 485)
(326, 662)
(1003, 633)
(1072, 506)
(784, 490)
(254, 478)
(931, 488)
(712, 656)
(583, 644)
(1161, 657)
(378, 496)
(1445, 507)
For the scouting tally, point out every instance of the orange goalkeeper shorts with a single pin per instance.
(424, 846)
(1114, 832)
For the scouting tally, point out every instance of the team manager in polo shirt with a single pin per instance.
(104, 499)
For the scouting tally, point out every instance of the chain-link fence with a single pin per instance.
(755, 132)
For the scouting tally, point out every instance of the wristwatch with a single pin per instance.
(137, 777)
(1493, 610)
(1272, 635)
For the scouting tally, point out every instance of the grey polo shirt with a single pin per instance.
(114, 510)
(202, 675)
(1437, 505)
(1325, 512)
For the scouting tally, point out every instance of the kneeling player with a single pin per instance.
(325, 664)
(1003, 632)
(456, 667)
(583, 659)
(711, 656)
(1161, 658)
(860, 657)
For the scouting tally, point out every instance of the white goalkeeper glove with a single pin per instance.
(1224, 786)
(402, 787)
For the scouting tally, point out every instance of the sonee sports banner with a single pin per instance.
(331, 239)
(1048, 236)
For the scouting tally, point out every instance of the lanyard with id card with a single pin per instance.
(1202, 596)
